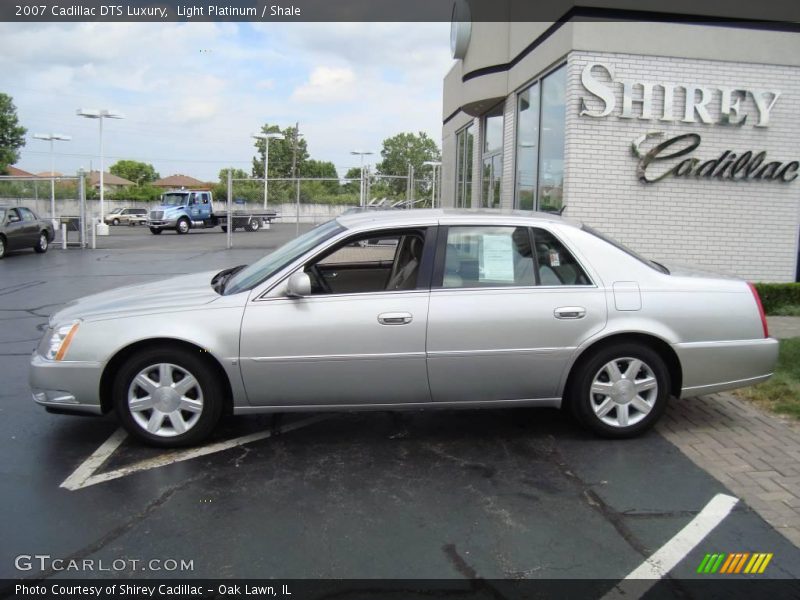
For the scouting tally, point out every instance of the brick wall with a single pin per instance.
(747, 228)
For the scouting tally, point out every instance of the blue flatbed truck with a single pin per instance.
(184, 210)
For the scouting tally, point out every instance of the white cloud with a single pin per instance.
(327, 84)
(193, 93)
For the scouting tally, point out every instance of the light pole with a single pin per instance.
(266, 137)
(362, 154)
(100, 114)
(434, 164)
(52, 137)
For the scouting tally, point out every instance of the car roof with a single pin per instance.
(369, 219)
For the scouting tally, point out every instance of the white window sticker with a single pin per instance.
(497, 258)
(555, 260)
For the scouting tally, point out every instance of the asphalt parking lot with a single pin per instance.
(495, 494)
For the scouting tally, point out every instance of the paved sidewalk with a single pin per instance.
(784, 327)
(755, 454)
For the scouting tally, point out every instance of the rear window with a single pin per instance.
(620, 246)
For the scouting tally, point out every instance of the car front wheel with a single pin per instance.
(620, 391)
(2, 246)
(168, 398)
(183, 226)
(155, 231)
(115, 222)
(43, 243)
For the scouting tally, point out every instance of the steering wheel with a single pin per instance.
(321, 281)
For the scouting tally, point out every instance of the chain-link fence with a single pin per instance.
(254, 203)
(62, 200)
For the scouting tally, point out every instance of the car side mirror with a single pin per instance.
(299, 285)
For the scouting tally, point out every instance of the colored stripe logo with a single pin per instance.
(735, 563)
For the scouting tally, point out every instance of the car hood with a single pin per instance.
(164, 295)
(167, 207)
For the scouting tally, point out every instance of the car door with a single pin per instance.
(362, 346)
(15, 230)
(30, 227)
(499, 326)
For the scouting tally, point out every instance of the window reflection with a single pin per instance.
(541, 113)
(492, 170)
(464, 146)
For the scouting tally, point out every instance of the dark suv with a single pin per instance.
(21, 228)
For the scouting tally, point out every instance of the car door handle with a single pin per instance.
(395, 318)
(570, 312)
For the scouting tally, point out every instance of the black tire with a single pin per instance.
(592, 369)
(115, 222)
(183, 226)
(43, 244)
(224, 228)
(2, 246)
(155, 231)
(252, 225)
(192, 362)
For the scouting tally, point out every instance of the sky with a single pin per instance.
(192, 94)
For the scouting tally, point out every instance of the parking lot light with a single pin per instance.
(52, 137)
(362, 154)
(100, 114)
(266, 137)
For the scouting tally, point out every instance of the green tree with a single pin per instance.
(352, 187)
(12, 134)
(235, 174)
(138, 172)
(280, 152)
(406, 149)
(322, 169)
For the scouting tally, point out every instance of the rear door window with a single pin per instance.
(555, 265)
(27, 215)
(487, 256)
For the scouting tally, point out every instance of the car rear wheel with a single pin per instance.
(43, 243)
(620, 391)
(168, 398)
(252, 225)
(224, 228)
(183, 226)
(155, 231)
(2, 246)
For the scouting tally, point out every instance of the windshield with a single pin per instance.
(116, 211)
(173, 199)
(259, 271)
(650, 263)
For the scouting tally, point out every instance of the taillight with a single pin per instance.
(760, 309)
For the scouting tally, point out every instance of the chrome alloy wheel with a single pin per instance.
(165, 400)
(43, 242)
(623, 392)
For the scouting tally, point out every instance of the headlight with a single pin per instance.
(59, 341)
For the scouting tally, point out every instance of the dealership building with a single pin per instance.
(680, 139)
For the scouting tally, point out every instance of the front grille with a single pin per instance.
(156, 215)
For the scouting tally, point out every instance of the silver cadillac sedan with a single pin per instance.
(408, 310)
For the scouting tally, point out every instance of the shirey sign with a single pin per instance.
(677, 156)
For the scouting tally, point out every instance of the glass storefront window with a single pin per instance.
(492, 160)
(551, 162)
(464, 146)
(541, 114)
(527, 147)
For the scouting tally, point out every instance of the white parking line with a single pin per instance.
(643, 577)
(84, 475)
